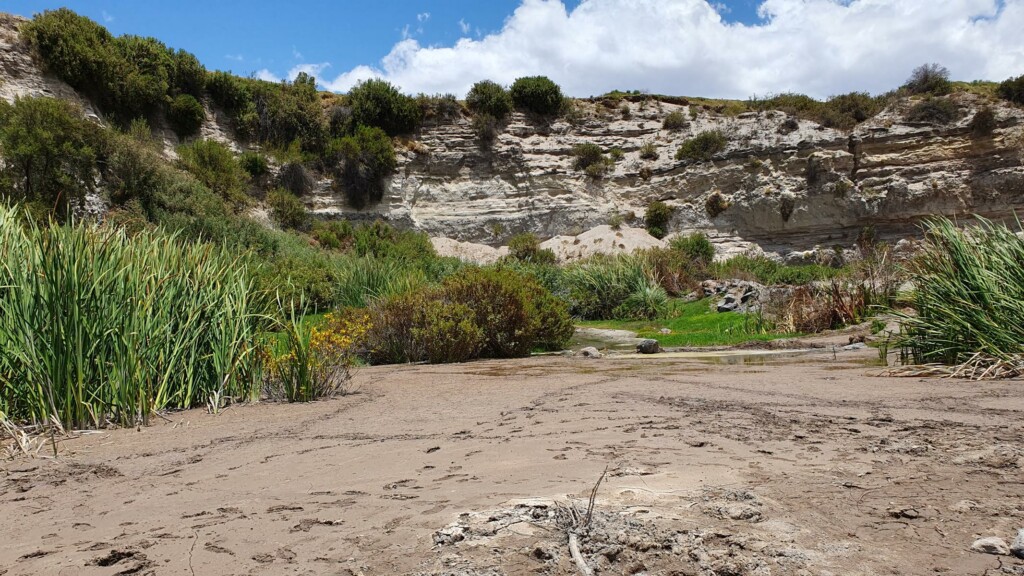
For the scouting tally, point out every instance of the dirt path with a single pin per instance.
(815, 466)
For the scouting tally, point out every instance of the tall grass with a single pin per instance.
(97, 329)
(622, 286)
(969, 294)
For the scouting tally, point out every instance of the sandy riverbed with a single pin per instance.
(808, 465)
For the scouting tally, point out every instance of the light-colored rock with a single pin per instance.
(468, 251)
(855, 346)
(601, 240)
(1017, 548)
(991, 545)
(590, 352)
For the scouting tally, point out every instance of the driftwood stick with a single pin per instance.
(577, 556)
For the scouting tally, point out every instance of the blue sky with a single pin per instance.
(247, 36)
(686, 47)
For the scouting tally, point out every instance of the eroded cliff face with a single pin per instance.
(789, 186)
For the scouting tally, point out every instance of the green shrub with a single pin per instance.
(187, 74)
(616, 154)
(969, 286)
(616, 221)
(648, 151)
(934, 111)
(213, 164)
(333, 234)
(489, 313)
(657, 217)
(287, 210)
(515, 312)
(1012, 89)
(75, 49)
(228, 91)
(378, 104)
(984, 122)
(254, 163)
(362, 280)
(369, 158)
(646, 301)
(446, 333)
(586, 155)
(675, 121)
(108, 329)
(185, 115)
(695, 247)
(296, 178)
(929, 79)
(381, 240)
(537, 94)
(440, 106)
(702, 147)
(487, 97)
(316, 360)
(525, 247)
(49, 154)
(843, 111)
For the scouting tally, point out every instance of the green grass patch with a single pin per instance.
(695, 324)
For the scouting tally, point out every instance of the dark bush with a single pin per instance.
(228, 91)
(929, 79)
(379, 104)
(934, 111)
(487, 97)
(984, 122)
(75, 49)
(49, 154)
(287, 210)
(657, 217)
(675, 121)
(586, 155)
(213, 164)
(702, 147)
(369, 158)
(1012, 89)
(254, 163)
(525, 247)
(485, 127)
(715, 204)
(537, 94)
(187, 74)
(185, 115)
(296, 178)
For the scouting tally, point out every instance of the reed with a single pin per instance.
(98, 329)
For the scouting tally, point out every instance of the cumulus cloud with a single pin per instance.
(819, 47)
(264, 74)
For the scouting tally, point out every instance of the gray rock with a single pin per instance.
(991, 545)
(589, 352)
(855, 346)
(1017, 548)
(648, 346)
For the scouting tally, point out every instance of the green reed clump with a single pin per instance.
(622, 286)
(969, 294)
(99, 329)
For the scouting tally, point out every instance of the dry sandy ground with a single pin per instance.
(812, 466)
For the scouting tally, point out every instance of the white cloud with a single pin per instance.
(464, 26)
(235, 57)
(423, 17)
(264, 74)
(312, 69)
(819, 47)
(107, 17)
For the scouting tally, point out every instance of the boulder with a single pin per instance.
(589, 352)
(1017, 548)
(648, 346)
(991, 545)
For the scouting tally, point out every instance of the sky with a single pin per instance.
(726, 48)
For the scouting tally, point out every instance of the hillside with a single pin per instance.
(782, 183)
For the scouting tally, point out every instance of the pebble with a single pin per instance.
(991, 545)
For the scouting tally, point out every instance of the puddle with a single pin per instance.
(729, 357)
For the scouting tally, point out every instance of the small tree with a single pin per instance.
(487, 97)
(185, 115)
(984, 122)
(929, 79)
(378, 103)
(657, 217)
(537, 94)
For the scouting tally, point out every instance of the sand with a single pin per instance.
(800, 465)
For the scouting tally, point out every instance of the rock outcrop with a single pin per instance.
(783, 185)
